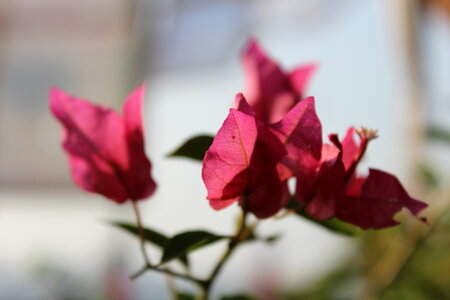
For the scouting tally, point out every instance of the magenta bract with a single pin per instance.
(271, 91)
(380, 197)
(331, 188)
(105, 149)
(301, 133)
(225, 168)
(241, 164)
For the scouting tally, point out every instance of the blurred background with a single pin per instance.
(383, 64)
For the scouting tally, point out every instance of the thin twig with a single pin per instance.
(139, 272)
(141, 232)
(239, 237)
(243, 232)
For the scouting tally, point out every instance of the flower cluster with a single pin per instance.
(276, 135)
(272, 135)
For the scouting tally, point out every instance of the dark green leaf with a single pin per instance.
(152, 236)
(254, 237)
(194, 148)
(156, 238)
(185, 296)
(185, 242)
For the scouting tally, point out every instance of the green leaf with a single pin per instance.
(194, 148)
(186, 242)
(152, 236)
(185, 296)
(272, 238)
(156, 238)
(335, 225)
(438, 133)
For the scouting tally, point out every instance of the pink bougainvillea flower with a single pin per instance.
(105, 148)
(251, 161)
(241, 164)
(331, 187)
(270, 90)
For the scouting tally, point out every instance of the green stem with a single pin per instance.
(241, 235)
(141, 232)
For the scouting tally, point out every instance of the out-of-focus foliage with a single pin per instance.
(409, 261)
(420, 274)
(438, 134)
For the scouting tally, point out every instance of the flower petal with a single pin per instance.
(94, 138)
(301, 76)
(137, 175)
(221, 204)
(329, 187)
(321, 184)
(351, 149)
(381, 197)
(267, 87)
(242, 105)
(266, 193)
(300, 130)
(225, 166)
(269, 90)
